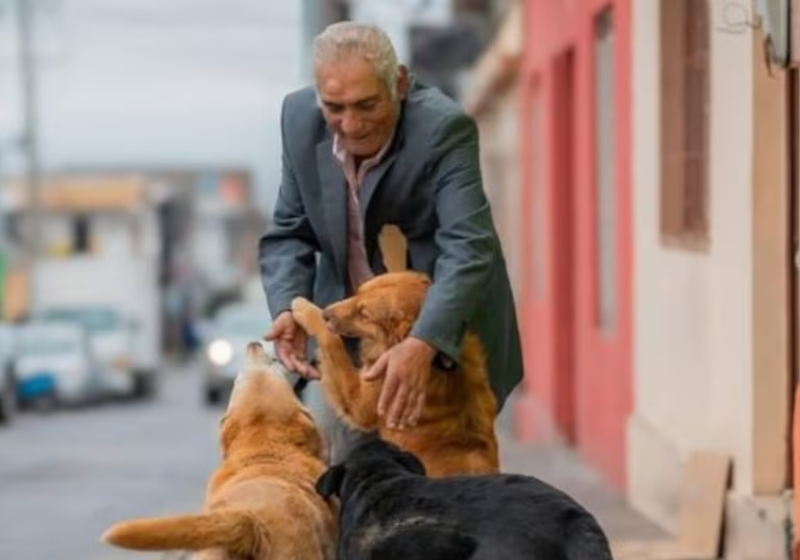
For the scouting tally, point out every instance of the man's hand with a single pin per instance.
(290, 345)
(406, 367)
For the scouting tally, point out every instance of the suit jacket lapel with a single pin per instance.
(373, 179)
(334, 199)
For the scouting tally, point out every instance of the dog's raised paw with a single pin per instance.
(301, 306)
(308, 316)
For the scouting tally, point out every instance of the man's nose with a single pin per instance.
(349, 125)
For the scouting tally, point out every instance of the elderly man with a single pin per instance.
(366, 148)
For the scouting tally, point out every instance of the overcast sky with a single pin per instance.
(154, 82)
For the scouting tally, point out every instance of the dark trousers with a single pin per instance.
(340, 438)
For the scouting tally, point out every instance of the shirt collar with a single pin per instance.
(341, 154)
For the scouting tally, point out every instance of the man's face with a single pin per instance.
(357, 104)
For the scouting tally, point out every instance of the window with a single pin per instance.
(605, 169)
(538, 213)
(684, 122)
(81, 235)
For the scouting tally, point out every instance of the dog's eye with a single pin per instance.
(362, 312)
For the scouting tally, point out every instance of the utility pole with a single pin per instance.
(30, 139)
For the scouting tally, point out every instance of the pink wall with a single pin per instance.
(579, 378)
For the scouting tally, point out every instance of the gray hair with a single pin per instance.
(348, 38)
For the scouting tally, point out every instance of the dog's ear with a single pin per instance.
(330, 483)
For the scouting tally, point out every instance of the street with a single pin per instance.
(66, 476)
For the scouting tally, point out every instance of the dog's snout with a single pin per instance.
(255, 352)
(331, 320)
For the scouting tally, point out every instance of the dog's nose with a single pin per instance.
(255, 353)
(255, 348)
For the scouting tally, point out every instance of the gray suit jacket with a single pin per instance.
(429, 185)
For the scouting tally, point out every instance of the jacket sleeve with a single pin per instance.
(466, 238)
(287, 251)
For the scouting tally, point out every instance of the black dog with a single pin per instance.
(391, 511)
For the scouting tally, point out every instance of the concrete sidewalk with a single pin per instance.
(560, 466)
(632, 536)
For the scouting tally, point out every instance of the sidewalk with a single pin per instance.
(560, 466)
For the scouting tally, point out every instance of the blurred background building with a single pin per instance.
(640, 159)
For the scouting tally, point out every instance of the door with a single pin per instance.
(603, 257)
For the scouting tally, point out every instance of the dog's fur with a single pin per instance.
(261, 502)
(455, 433)
(391, 510)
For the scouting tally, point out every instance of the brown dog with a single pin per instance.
(261, 502)
(455, 433)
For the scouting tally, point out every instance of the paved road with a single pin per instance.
(65, 476)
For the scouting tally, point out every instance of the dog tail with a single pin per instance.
(235, 531)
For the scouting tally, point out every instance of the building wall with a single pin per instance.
(109, 234)
(500, 159)
(576, 287)
(692, 309)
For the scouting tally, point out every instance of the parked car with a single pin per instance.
(111, 343)
(8, 377)
(55, 365)
(225, 340)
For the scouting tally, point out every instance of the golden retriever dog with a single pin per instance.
(455, 432)
(261, 502)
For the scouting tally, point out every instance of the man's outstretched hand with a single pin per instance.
(290, 345)
(406, 368)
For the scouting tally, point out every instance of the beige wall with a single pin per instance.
(693, 349)
(499, 130)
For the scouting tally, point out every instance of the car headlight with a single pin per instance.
(220, 352)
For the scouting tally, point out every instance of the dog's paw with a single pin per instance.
(308, 316)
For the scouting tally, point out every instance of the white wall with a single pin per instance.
(692, 310)
(499, 143)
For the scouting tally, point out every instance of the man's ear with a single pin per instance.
(330, 483)
(402, 82)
